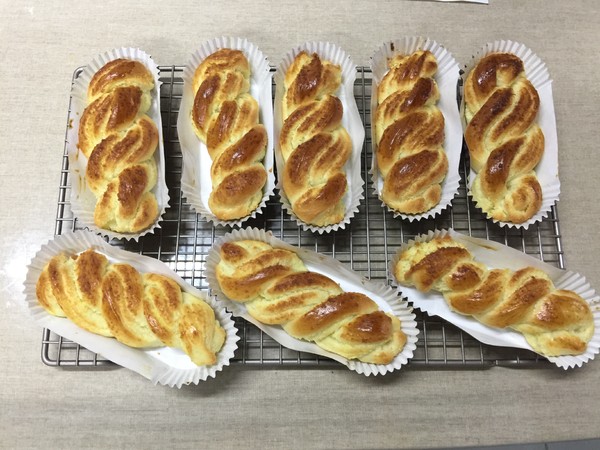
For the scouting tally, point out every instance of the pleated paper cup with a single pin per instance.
(162, 365)
(547, 170)
(83, 200)
(446, 77)
(348, 280)
(196, 182)
(351, 121)
(495, 255)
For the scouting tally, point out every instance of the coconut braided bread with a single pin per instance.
(277, 289)
(225, 117)
(314, 144)
(138, 310)
(554, 322)
(120, 139)
(505, 142)
(409, 131)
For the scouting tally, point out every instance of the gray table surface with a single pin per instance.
(41, 43)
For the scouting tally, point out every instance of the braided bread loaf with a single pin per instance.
(139, 310)
(554, 322)
(225, 118)
(314, 144)
(409, 131)
(277, 289)
(120, 139)
(505, 143)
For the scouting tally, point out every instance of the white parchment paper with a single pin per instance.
(447, 80)
(495, 255)
(351, 121)
(348, 280)
(196, 182)
(163, 365)
(547, 169)
(83, 200)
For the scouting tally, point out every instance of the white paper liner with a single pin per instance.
(348, 280)
(547, 170)
(196, 182)
(163, 365)
(83, 200)
(351, 121)
(446, 78)
(495, 255)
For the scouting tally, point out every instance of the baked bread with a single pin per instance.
(139, 310)
(120, 139)
(554, 322)
(277, 289)
(409, 131)
(505, 142)
(314, 145)
(225, 118)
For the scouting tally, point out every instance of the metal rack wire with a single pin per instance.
(367, 245)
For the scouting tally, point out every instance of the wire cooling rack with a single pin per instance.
(366, 245)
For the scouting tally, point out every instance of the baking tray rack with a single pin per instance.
(366, 246)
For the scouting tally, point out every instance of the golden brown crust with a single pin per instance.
(309, 78)
(115, 300)
(203, 104)
(120, 72)
(277, 289)
(123, 308)
(409, 131)
(318, 159)
(225, 60)
(434, 265)
(237, 189)
(300, 280)
(505, 143)
(554, 322)
(75, 285)
(369, 328)
(45, 295)
(290, 296)
(225, 117)
(478, 296)
(108, 115)
(528, 290)
(162, 307)
(490, 72)
(113, 154)
(309, 120)
(319, 321)
(120, 140)
(252, 276)
(200, 334)
(410, 180)
(314, 145)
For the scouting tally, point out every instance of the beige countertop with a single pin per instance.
(41, 43)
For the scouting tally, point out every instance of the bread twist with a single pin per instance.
(314, 144)
(505, 142)
(276, 289)
(139, 310)
(554, 322)
(119, 140)
(225, 118)
(409, 131)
